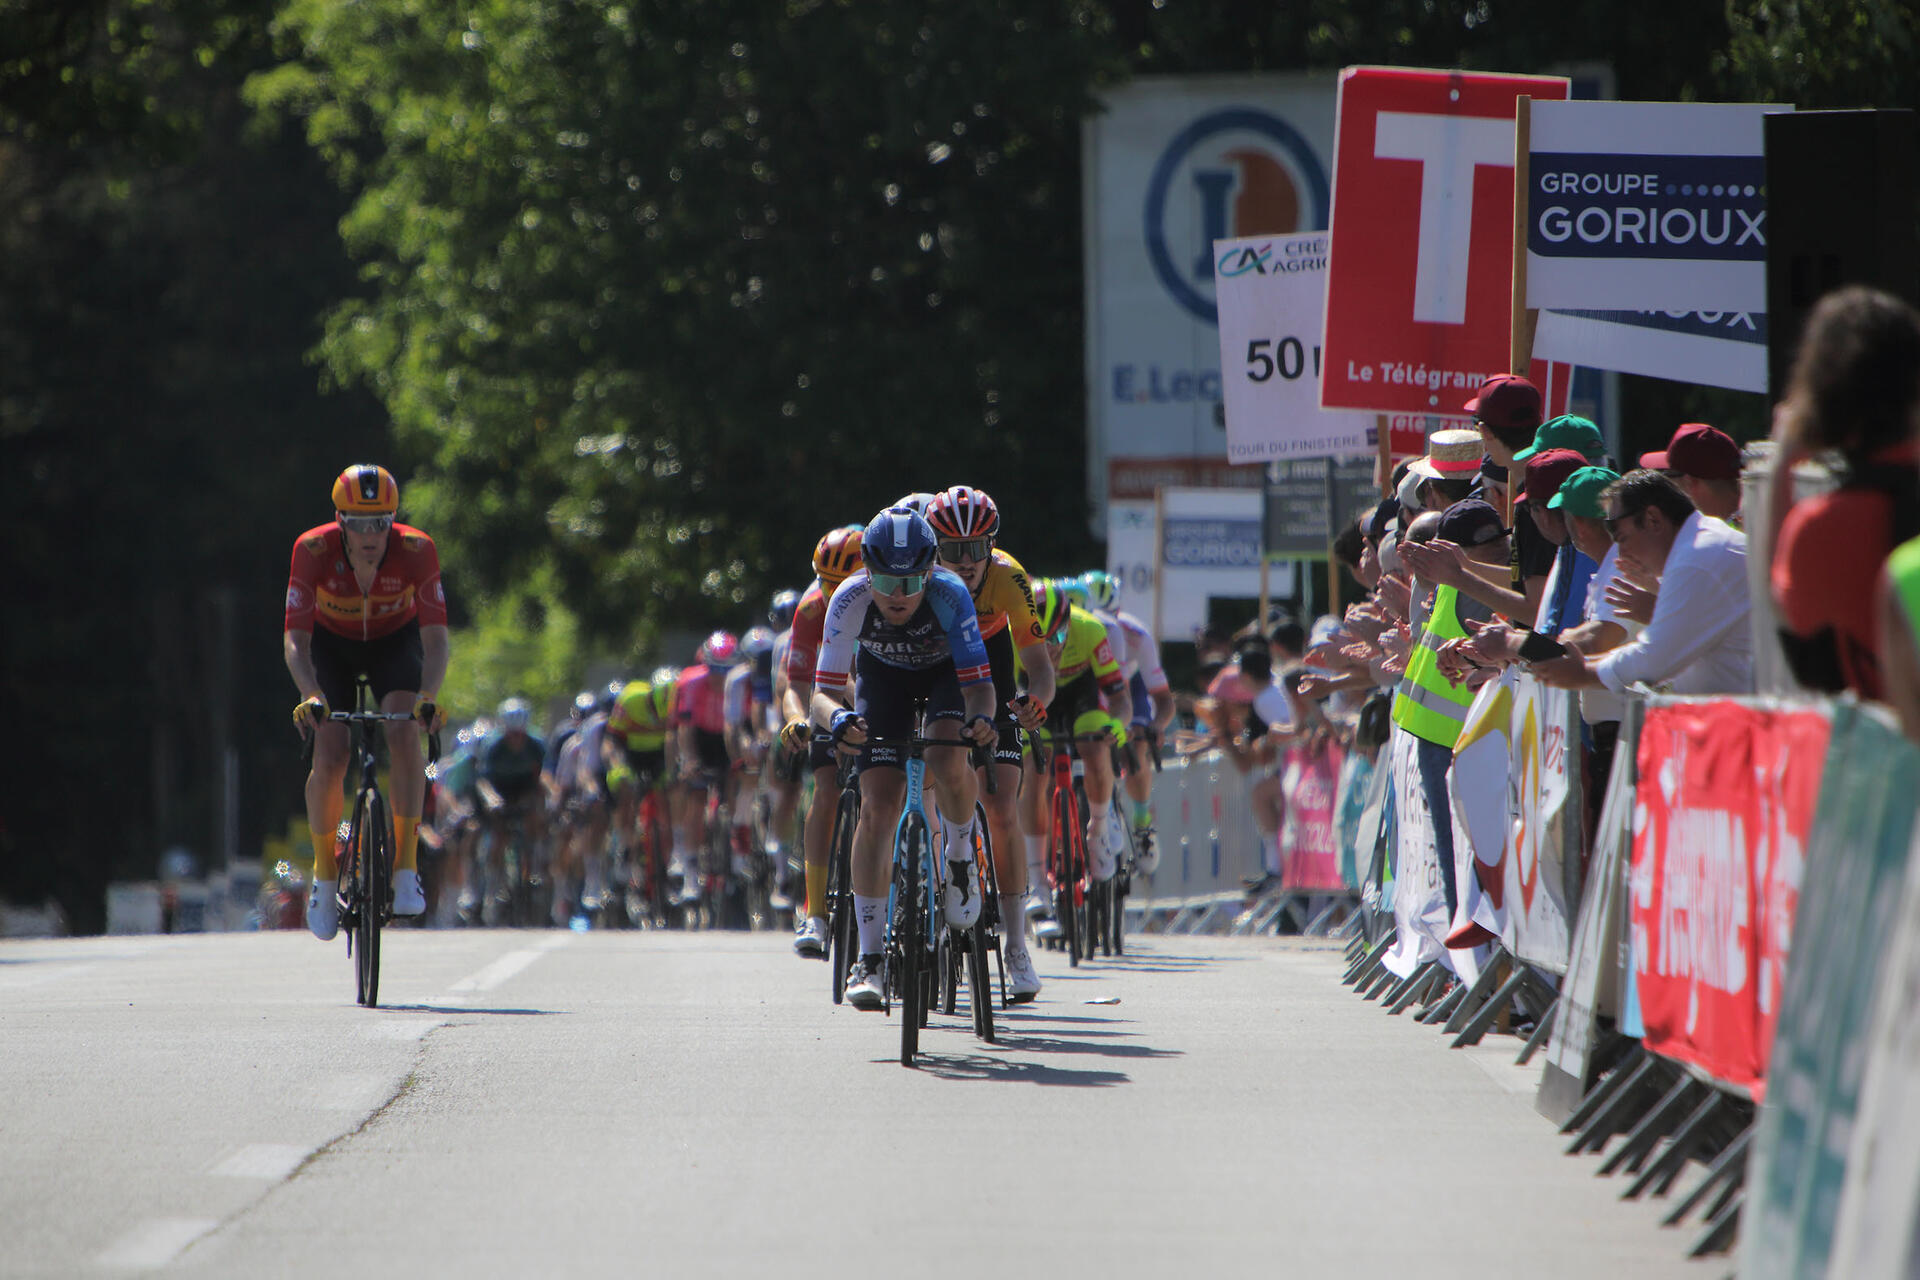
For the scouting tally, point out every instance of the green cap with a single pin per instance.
(1566, 432)
(1580, 492)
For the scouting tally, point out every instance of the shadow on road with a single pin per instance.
(980, 1067)
(467, 1008)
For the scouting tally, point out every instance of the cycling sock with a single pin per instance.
(1142, 814)
(1036, 861)
(960, 841)
(871, 915)
(817, 889)
(326, 863)
(406, 842)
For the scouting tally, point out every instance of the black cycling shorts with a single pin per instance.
(390, 663)
(711, 748)
(885, 699)
(649, 765)
(1005, 690)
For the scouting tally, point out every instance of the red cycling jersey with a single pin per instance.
(701, 700)
(809, 628)
(322, 588)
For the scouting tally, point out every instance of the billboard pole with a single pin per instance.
(1159, 556)
(1520, 320)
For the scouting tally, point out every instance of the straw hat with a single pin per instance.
(1451, 455)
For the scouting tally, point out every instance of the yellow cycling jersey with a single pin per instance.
(1087, 651)
(641, 715)
(1005, 599)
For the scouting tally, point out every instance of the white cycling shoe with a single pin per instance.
(1146, 851)
(1100, 857)
(810, 939)
(1023, 981)
(409, 899)
(323, 909)
(959, 901)
(863, 985)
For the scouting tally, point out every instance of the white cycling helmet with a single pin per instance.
(515, 715)
(917, 502)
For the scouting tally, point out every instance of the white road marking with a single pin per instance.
(155, 1243)
(506, 967)
(271, 1161)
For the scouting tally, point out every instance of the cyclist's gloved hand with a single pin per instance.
(311, 713)
(794, 735)
(980, 731)
(847, 722)
(428, 712)
(1028, 711)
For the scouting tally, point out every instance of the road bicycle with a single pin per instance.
(365, 895)
(840, 925)
(1082, 907)
(910, 955)
(969, 949)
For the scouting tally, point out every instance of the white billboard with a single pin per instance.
(1173, 163)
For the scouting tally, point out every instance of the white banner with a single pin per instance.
(1171, 164)
(1707, 348)
(1634, 205)
(1208, 546)
(1419, 900)
(1548, 825)
(1271, 292)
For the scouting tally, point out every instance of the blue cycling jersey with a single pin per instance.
(946, 627)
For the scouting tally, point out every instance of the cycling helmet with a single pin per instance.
(963, 512)
(1103, 589)
(1074, 589)
(515, 714)
(916, 503)
(583, 704)
(719, 649)
(1051, 607)
(837, 556)
(366, 490)
(664, 677)
(780, 612)
(661, 695)
(757, 643)
(898, 541)
(611, 694)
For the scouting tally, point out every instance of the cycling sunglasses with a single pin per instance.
(364, 524)
(961, 550)
(898, 584)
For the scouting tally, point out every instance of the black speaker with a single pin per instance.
(1841, 209)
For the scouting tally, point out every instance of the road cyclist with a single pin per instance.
(364, 599)
(1153, 704)
(909, 630)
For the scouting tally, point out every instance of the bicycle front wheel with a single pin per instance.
(840, 926)
(372, 873)
(1066, 892)
(910, 936)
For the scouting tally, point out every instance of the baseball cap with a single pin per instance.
(1566, 432)
(1697, 450)
(1506, 402)
(1470, 523)
(1382, 518)
(1546, 472)
(1493, 470)
(1579, 493)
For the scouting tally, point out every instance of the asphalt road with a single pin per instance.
(536, 1104)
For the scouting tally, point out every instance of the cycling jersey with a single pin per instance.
(1135, 650)
(740, 697)
(803, 640)
(1088, 652)
(641, 716)
(1005, 602)
(700, 700)
(512, 767)
(322, 588)
(944, 628)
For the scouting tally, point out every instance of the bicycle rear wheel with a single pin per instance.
(1068, 899)
(840, 925)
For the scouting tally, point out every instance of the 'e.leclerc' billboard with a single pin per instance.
(1172, 164)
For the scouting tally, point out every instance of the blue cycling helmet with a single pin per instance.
(899, 540)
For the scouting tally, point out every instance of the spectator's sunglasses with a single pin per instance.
(962, 550)
(898, 584)
(364, 524)
(1613, 523)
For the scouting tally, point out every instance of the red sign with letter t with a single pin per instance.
(1420, 287)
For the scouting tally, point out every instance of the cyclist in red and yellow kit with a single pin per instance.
(966, 522)
(364, 599)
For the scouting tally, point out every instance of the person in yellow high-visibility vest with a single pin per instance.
(1427, 704)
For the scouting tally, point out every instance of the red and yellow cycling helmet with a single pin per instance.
(837, 557)
(366, 490)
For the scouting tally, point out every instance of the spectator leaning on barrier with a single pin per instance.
(1705, 463)
(1582, 502)
(1854, 388)
(1427, 704)
(1696, 641)
(1449, 471)
(1533, 552)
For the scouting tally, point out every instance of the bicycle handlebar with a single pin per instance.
(982, 756)
(374, 717)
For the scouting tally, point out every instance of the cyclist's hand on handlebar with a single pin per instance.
(428, 713)
(849, 728)
(1028, 711)
(311, 713)
(980, 731)
(794, 735)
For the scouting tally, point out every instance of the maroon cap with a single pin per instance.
(1547, 471)
(1697, 450)
(1507, 402)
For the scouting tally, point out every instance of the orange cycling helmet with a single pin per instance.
(838, 555)
(963, 512)
(366, 490)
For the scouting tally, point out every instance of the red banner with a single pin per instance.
(1420, 287)
(1721, 821)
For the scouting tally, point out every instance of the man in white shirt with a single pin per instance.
(1697, 641)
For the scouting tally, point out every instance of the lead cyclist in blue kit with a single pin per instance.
(908, 631)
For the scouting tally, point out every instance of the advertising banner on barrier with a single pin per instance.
(1824, 1127)
(1419, 899)
(1203, 821)
(1309, 779)
(1543, 866)
(1725, 808)
(1647, 206)
(1271, 292)
(1420, 290)
(1478, 791)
